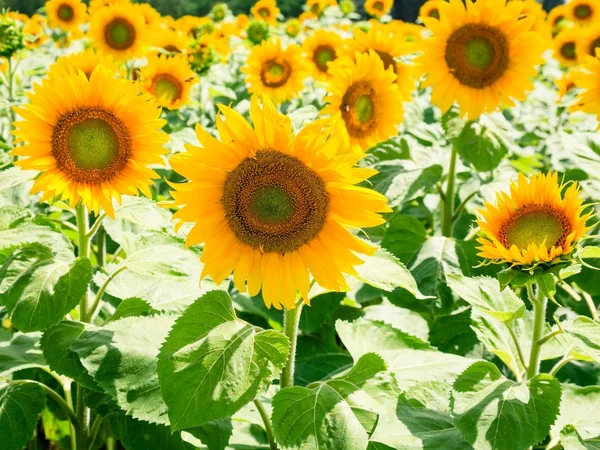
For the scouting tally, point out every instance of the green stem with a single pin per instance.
(448, 202)
(94, 431)
(539, 322)
(267, 421)
(54, 395)
(291, 321)
(519, 351)
(590, 302)
(101, 244)
(10, 140)
(549, 336)
(103, 289)
(566, 359)
(69, 400)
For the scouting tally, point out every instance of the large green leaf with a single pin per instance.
(579, 408)
(587, 337)
(20, 352)
(404, 237)
(571, 440)
(495, 413)
(20, 406)
(138, 435)
(337, 414)
(132, 307)
(401, 318)
(212, 363)
(215, 435)
(319, 359)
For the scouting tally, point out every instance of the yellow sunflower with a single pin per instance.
(588, 42)
(476, 57)
(86, 61)
(168, 79)
(588, 79)
(118, 30)
(533, 10)
(34, 32)
(172, 42)
(65, 14)
(565, 84)
(539, 221)
(151, 16)
(293, 28)
(93, 140)
(565, 46)
(378, 8)
(272, 208)
(322, 48)
(365, 98)
(96, 5)
(317, 7)
(431, 9)
(276, 71)
(410, 34)
(583, 11)
(557, 18)
(266, 10)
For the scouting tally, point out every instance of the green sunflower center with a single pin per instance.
(272, 204)
(65, 12)
(480, 53)
(364, 108)
(378, 6)
(264, 12)
(93, 144)
(568, 50)
(583, 11)
(166, 87)
(535, 224)
(594, 45)
(435, 14)
(119, 33)
(322, 55)
(275, 73)
(359, 108)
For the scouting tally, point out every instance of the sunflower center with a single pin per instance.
(364, 108)
(359, 108)
(558, 19)
(568, 50)
(275, 73)
(315, 8)
(583, 11)
(387, 59)
(274, 202)
(90, 144)
(322, 55)
(378, 6)
(435, 14)
(119, 33)
(264, 12)
(166, 86)
(594, 45)
(65, 12)
(477, 55)
(535, 224)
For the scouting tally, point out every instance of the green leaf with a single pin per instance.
(589, 252)
(320, 311)
(39, 286)
(138, 435)
(571, 440)
(20, 406)
(587, 335)
(404, 237)
(338, 414)
(212, 364)
(215, 435)
(577, 408)
(13, 176)
(453, 333)
(11, 216)
(319, 359)
(495, 413)
(20, 352)
(122, 358)
(132, 307)
(401, 318)
(484, 293)
(57, 344)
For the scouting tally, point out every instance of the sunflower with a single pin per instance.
(34, 32)
(378, 8)
(86, 61)
(410, 34)
(539, 221)
(321, 48)
(565, 84)
(171, 42)
(151, 16)
(272, 208)
(583, 11)
(533, 10)
(191, 24)
(557, 18)
(565, 46)
(257, 32)
(317, 7)
(588, 79)
(91, 139)
(588, 42)
(266, 10)
(293, 28)
(366, 98)
(96, 5)
(118, 30)
(275, 71)
(168, 80)
(476, 56)
(65, 14)
(431, 8)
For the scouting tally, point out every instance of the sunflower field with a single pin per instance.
(337, 231)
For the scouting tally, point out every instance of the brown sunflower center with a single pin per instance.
(535, 224)
(388, 60)
(119, 33)
(435, 13)
(378, 6)
(359, 108)
(65, 12)
(274, 202)
(90, 144)
(264, 12)
(583, 11)
(594, 45)
(315, 8)
(568, 50)
(322, 55)
(477, 55)
(275, 73)
(166, 87)
(558, 19)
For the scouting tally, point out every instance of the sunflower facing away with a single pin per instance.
(583, 11)
(118, 30)
(168, 79)
(588, 78)
(65, 14)
(539, 221)
(366, 98)
(276, 71)
(91, 139)
(171, 42)
(266, 10)
(86, 61)
(565, 46)
(476, 56)
(378, 8)
(322, 48)
(271, 208)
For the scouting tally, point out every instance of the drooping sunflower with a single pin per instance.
(86, 61)
(93, 140)
(588, 79)
(431, 8)
(378, 8)
(65, 14)
(540, 221)
(276, 71)
(565, 46)
(365, 99)
(322, 48)
(168, 80)
(272, 208)
(118, 30)
(476, 55)
(588, 42)
(583, 11)
(266, 10)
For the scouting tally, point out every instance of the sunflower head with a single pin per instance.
(565, 84)
(118, 30)
(565, 46)
(33, 31)
(65, 14)
(257, 32)
(378, 8)
(540, 221)
(347, 7)
(272, 207)
(583, 11)
(168, 80)
(322, 48)
(171, 42)
(266, 10)
(588, 42)
(86, 61)
(92, 139)
(201, 56)
(219, 12)
(11, 38)
(431, 9)
(293, 28)
(588, 79)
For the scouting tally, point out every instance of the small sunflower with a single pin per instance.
(65, 14)
(378, 8)
(566, 45)
(533, 10)
(266, 10)
(257, 32)
(317, 7)
(171, 42)
(431, 8)
(276, 71)
(588, 79)
(322, 48)
(93, 140)
(557, 18)
(201, 55)
(410, 34)
(86, 61)
(151, 16)
(168, 80)
(96, 5)
(476, 56)
(365, 98)
(293, 28)
(273, 208)
(118, 30)
(33, 31)
(588, 42)
(583, 11)
(540, 221)
(565, 84)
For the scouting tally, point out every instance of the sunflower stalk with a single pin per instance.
(267, 421)
(539, 302)
(291, 322)
(448, 200)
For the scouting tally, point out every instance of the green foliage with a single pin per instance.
(19, 409)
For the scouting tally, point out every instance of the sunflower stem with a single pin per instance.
(10, 140)
(267, 421)
(448, 201)
(291, 321)
(559, 365)
(539, 321)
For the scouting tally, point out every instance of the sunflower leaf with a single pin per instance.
(20, 352)
(571, 440)
(20, 406)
